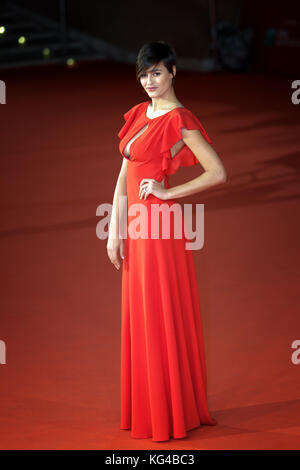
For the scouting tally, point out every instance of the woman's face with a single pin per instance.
(157, 80)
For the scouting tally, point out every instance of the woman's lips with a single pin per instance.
(151, 89)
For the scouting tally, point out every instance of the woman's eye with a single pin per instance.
(155, 73)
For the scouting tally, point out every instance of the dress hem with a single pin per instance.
(179, 436)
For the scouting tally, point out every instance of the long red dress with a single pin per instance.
(163, 370)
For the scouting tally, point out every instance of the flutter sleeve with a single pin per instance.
(129, 117)
(172, 134)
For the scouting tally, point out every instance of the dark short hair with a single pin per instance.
(153, 52)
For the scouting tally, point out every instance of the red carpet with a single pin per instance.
(60, 294)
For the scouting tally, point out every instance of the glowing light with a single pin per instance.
(70, 61)
(22, 40)
(46, 51)
(2, 29)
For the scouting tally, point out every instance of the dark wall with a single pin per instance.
(45, 7)
(185, 26)
(130, 23)
(276, 35)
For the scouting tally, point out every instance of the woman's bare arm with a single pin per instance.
(214, 174)
(115, 243)
(120, 190)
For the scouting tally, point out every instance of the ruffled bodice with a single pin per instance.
(155, 142)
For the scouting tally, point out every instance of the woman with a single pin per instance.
(163, 371)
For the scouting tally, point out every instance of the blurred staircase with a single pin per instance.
(28, 38)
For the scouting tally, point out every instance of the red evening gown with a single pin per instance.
(163, 370)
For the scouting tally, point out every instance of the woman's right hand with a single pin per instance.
(114, 247)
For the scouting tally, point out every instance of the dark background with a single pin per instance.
(185, 25)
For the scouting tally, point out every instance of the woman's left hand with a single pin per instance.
(151, 186)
